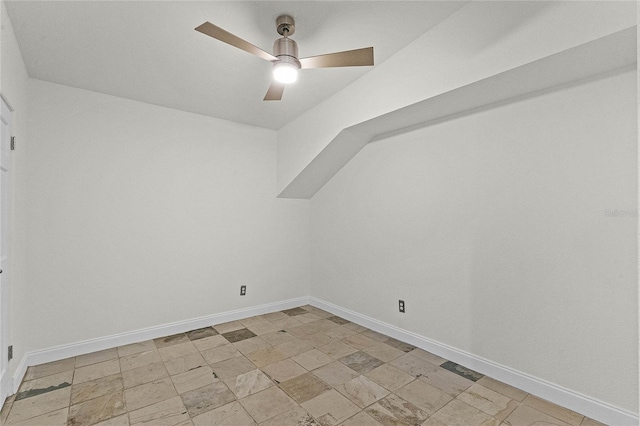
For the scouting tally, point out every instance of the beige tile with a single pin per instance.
(263, 328)
(312, 359)
(445, 380)
(178, 350)
(294, 347)
(335, 373)
(317, 311)
(330, 408)
(457, 413)
(324, 325)
(145, 374)
(6, 407)
(491, 402)
(139, 359)
(285, 323)
(180, 365)
(355, 327)
(96, 357)
(220, 353)
(340, 332)
(278, 337)
(296, 417)
(267, 404)
(207, 398)
(39, 405)
(502, 388)
(149, 393)
(248, 383)
(318, 339)
(362, 391)
(359, 341)
(375, 335)
(554, 410)
(424, 396)
(389, 377)
(304, 387)
(44, 384)
(305, 318)
(590, 422)
(337, 349)
(201, 333)
(427, 356)
(283, 370)
(54, 418)
(257, 320)
(302, 330)
(275, 316)
(167, 341)
(94, 388)
(42, 370)
(228, 326)
(122, 420)
(266, 356)
(432, 421)
(360, 419)
(194, 379)
(250, 345)
(210, 342)
(361, 362)
(97, 410)
(96, 371)
(135, 348)
(232, 367)
(169, 412)
(384, 352)
(231, 414)
(525, 415)
(413, 365)
(394, 410)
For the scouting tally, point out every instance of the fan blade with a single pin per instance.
(219, 34)
(348, 58)
(275, 92)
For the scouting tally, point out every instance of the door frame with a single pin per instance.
(6, 385)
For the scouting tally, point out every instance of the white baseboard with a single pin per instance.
(590, 407)
(87, 346)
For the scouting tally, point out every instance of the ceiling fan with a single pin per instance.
(285, 54)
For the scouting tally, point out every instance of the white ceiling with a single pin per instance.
(148, 50)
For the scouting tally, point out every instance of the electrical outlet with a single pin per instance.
(243, 290)
(401, 306)
(10, 352)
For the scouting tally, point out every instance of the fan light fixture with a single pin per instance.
(285, 72)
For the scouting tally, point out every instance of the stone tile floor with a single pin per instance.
(301, 366)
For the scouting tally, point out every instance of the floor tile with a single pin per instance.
(174, 339)
(92, 389)
(335, 373)
(44, 384)
(553, 410)
(145, 374)
(194, 379)
(201, 333)
(211, 342)
(49, 368)
(457, 413)
(283, 370)
(135, 348)
(338, 320)
(275, 316)
(308, 317)
(525, 415)
(287, 322)
(389, 377)
(465, 372)
(97, 410)
(330, 408)
(231, 414)
(295, 311)
(294, 347)
(424, 396)
(384, 352)
(503, 388)
(248, 383)
(312, 359)
(228, 326)
(178, 350)
(361, 362)
(266, 356)
(164, 413)
(96, 371)
(39, 405)
(375, 335)
(337, 349)
(54, 418)
(296, 417)
(362, 391)
(185, 363)
(394, 410)
(427, 356)
(590, 422)
(207, 398)
(355, 327)
(6, 407)
(447, 381)
(304, 387)
(149, 393)
(359, 341)
(232, 367)
(139, 359)
(238, 335)
(491, 402)
(267, 404)
(278, 337)
(96, 357)
(318, 340)
(122, 420)
(413, 365)
(339, 333)
(361, 419)
(302, 330)
(251, 344)
(220, 353)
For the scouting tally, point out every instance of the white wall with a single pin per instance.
(13, 87)
(493, 229)
(140, 216)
